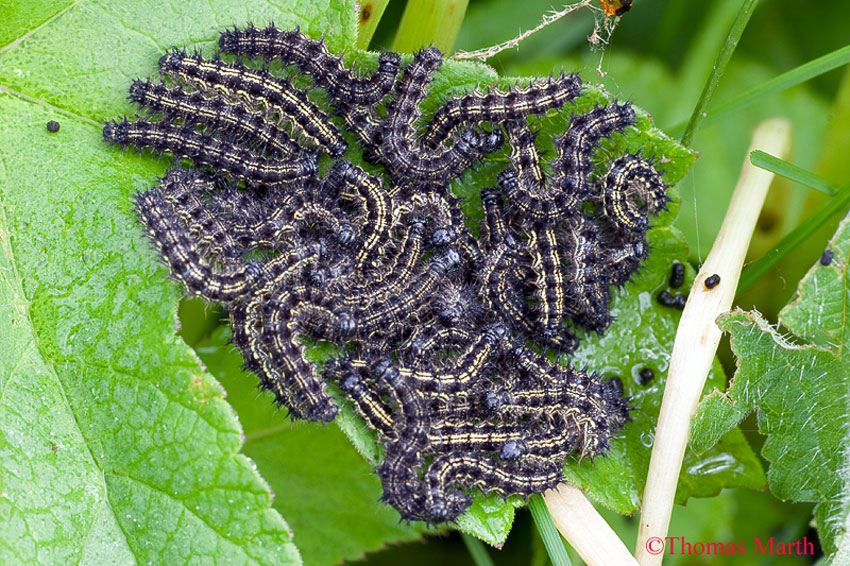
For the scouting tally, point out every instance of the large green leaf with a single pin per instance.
(83, 58)
(800, 385)
(331, 493)
(116, 446)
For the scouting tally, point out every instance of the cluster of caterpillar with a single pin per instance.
(433, 320)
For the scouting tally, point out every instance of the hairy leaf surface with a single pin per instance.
(800, 385)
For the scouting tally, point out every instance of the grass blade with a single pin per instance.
(477, 550)
(785, 81)
(794, 77)
(370, 16)
(792, 172)
(759, 267)
(548, 532)
(429, 22)
(720, 64)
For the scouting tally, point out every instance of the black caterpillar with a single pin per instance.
(434, 320)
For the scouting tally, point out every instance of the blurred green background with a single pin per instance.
(659, 57)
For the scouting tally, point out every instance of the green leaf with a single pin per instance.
(116, 446)
(800, 385)
(719, 68)
(83, 59)
(331, 494)
(429, 22)
(477, 551)
(370, 15)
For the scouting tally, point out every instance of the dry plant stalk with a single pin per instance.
(697, 339)
(550, 18)
(585, 529)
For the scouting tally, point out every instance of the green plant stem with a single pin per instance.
(799, 235)
(429, 22)
(370, 16)
(477, 550)
(548, 532)
(792, 172)
(719, 68)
